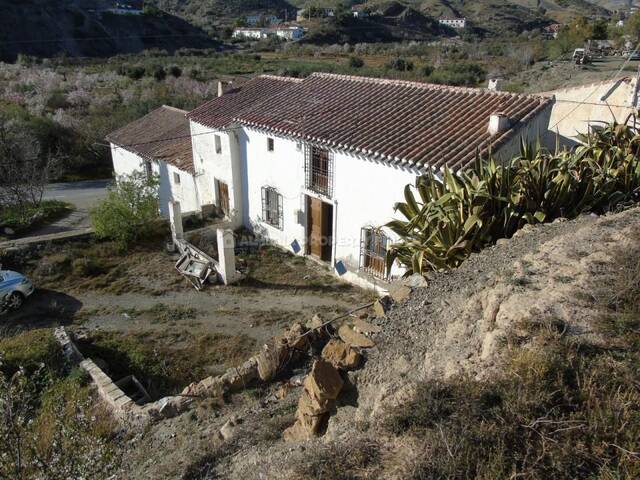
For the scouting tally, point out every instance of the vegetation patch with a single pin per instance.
(565, 407)
(33, 215)
(166, 362)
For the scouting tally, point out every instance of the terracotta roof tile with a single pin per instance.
(161, 135)
(419, 124)
(220, 112)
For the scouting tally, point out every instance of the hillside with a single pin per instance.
(44, 28)
(529, 332)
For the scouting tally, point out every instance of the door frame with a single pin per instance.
(308, 195)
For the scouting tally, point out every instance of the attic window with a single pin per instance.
(176, 178)
(218, 143)
(270, 145)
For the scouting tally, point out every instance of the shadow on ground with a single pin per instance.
(45, 308)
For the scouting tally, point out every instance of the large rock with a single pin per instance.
(416, 281)
(353, 338)
(341, 355)
(296, 337)
(271, 359)
(382, 306)
(324, 381)
(399, 292)
(365, 328)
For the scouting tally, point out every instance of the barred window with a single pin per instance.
(373, 252)
(319, 170)
(272, 207)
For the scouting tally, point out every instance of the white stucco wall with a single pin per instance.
(577, 108)
(537, 128)
(224, 166)
(125, 163)
(364, 196)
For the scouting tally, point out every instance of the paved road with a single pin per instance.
(83, 195)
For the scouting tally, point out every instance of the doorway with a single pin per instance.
(319, 229)
(223, 197)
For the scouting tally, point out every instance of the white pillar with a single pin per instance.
(175, 220)
(226, 256)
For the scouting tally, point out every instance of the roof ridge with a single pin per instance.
(417, 84)
(281, 78)
(175, 109)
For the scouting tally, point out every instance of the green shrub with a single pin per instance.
(400, 65)
(463, 213)
(356, 62)
(175, 71)
(130, 211)
(459, 74)
(30, 350)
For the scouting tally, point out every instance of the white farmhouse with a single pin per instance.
(159, 144)
(453, 22)
(317, 165)
(251, 33)
(285, 33)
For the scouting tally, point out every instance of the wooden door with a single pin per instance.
(223, 197)
(319, 228)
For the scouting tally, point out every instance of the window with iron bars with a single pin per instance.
(319, 170)
(373, 252)
(272, 207)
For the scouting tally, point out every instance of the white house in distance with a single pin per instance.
(159, 144)
(128, 7)
(285, 33)
(453, 22)
(317, 165)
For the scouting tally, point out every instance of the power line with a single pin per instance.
(626, 62)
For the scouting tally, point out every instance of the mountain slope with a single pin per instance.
(45, 29)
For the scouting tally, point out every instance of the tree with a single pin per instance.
(632, 26)
(356, 62)
(130, 211)
(24, 170)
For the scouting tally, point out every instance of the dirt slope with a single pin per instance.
(458, 324)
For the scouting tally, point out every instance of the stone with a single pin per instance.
(353, 338)
(502, 241)
(341, 355)
(228, 430)
(9, 231)
(399, 292)
(270, 360)
(309, 404)
(382, 305)
(296, 433)
(363, 327)
(294, 339)
(324, 381)
(415, 281)
(316, 322)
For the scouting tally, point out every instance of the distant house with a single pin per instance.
(129, 7)
(360, 11)
(266, 20)
(285, 33)
(159, 144)
(452, 22)
(551, 31)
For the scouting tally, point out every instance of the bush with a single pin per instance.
(30, 350)
(400, 65)
(159, 73)
(130, 211)
(175, 71)
(459, 74)
(464, 213)
(356, 62)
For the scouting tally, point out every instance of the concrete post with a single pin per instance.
(226, 256)
(175, 220)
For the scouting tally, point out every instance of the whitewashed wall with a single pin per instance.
(125, 163)
(364, 196)
(210, 165)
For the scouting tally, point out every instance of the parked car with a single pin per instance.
(14, 290)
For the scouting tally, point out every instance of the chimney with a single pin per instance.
(498, 123)
(494, 84)
(220, 89)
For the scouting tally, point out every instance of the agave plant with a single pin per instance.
(462, 212)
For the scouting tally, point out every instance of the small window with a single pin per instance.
(176, 178)
(148, 170)
(272, 207)
(270, 146)
(373, 252)
(218, 142)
